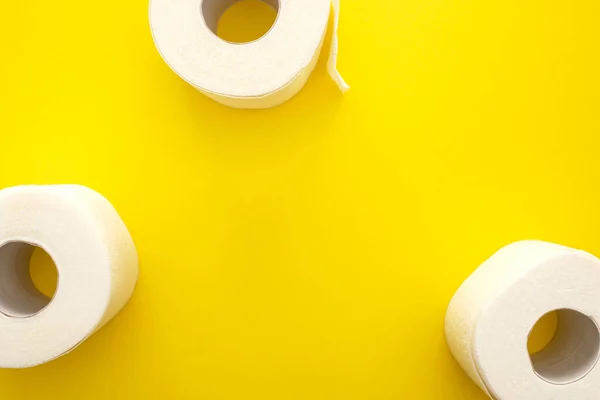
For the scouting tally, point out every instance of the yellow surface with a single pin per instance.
(309, 251)
(542, 333)
(43, 272)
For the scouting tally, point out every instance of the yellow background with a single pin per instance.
(308, 251)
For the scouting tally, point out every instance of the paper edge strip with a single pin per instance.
(333, 52)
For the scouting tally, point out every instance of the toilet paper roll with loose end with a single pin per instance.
(259, 74)
(492, 314)
(95, 258)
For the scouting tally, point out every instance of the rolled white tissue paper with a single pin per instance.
(492, 314)
(95, 258)
(259, 74)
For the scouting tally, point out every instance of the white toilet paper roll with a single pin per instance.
(260, 74)
(96, 262)
(492, 314)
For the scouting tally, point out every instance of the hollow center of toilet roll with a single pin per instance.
(28, 279)
(240, 21)
(573, 351)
